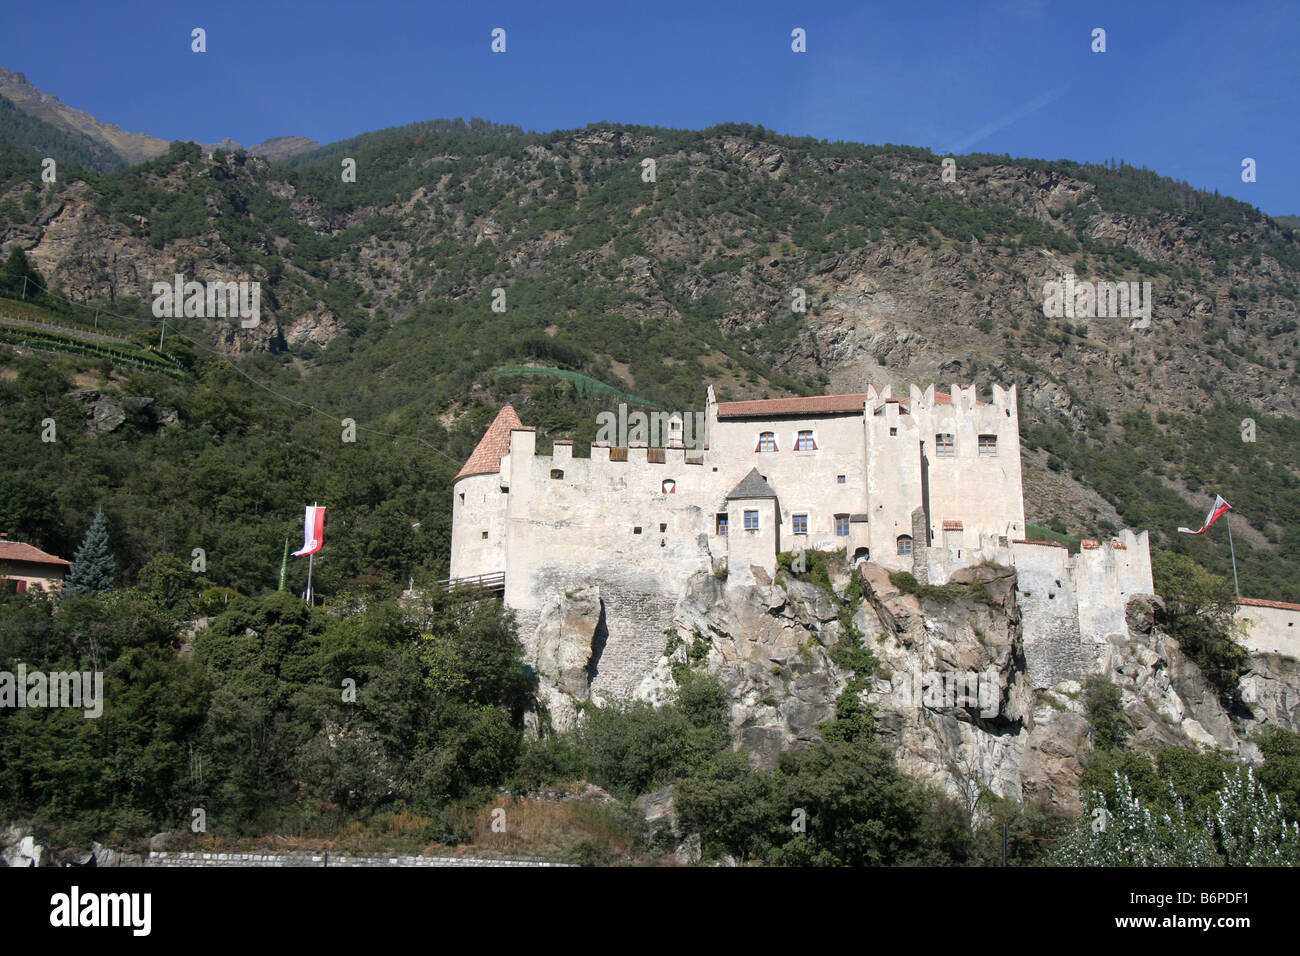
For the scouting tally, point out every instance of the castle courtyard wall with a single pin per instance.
(1270, 627)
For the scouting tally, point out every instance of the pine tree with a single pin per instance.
(93, 564)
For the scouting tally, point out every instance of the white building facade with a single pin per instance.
(926, 483)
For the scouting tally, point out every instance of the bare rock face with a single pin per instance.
(566, 632)
(1054, 753)
(951, 694)
(319, 328)
(105, 412)
(1164, 694)
(768, 646)
(1271, 690)
(20, 848)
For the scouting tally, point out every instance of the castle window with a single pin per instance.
(904, 544)
(663, 527)
(669, 487)
(722, 525)
(751, 519)
(805, 442)
(766, 442)
(484, 535)
(841, 526)
(839, 479)
(636, 529)
(893, 432)
(462, 497)
(799, 523)
(557, 473)
(944, 446)
(988, 446)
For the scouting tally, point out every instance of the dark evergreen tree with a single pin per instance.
(92, 566)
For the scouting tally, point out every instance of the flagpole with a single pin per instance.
(1232, 548)
(310, 558)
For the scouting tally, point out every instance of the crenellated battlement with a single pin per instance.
(927, 483)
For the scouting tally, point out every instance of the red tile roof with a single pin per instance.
(493, 446)
(1089, 544)
(1281, 606)
(813, 405)
(952, 526)
(17, 551)
(1046, 544)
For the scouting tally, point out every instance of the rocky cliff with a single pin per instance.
(949, 691)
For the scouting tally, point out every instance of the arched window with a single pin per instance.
(669, 486)
(766, 441)
(904, 544)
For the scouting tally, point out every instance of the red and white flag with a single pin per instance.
(1220, 506)
(313, 531)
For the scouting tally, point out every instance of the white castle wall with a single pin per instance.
(983, 493)
(554, 534)
(806, 482)
(478, 507)
(1269, 629)
(579, 529)
(1071, 604)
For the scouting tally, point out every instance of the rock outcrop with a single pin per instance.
(950, 692)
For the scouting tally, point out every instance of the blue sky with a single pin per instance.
(1186, 89)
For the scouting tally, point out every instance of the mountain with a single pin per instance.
(377, 297)
(132, 147)
(38, 138)
(76, 131)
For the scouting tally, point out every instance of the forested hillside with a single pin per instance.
(377, 305)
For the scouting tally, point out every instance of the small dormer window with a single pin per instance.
(766, 442)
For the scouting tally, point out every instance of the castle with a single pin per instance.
(928, 483)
